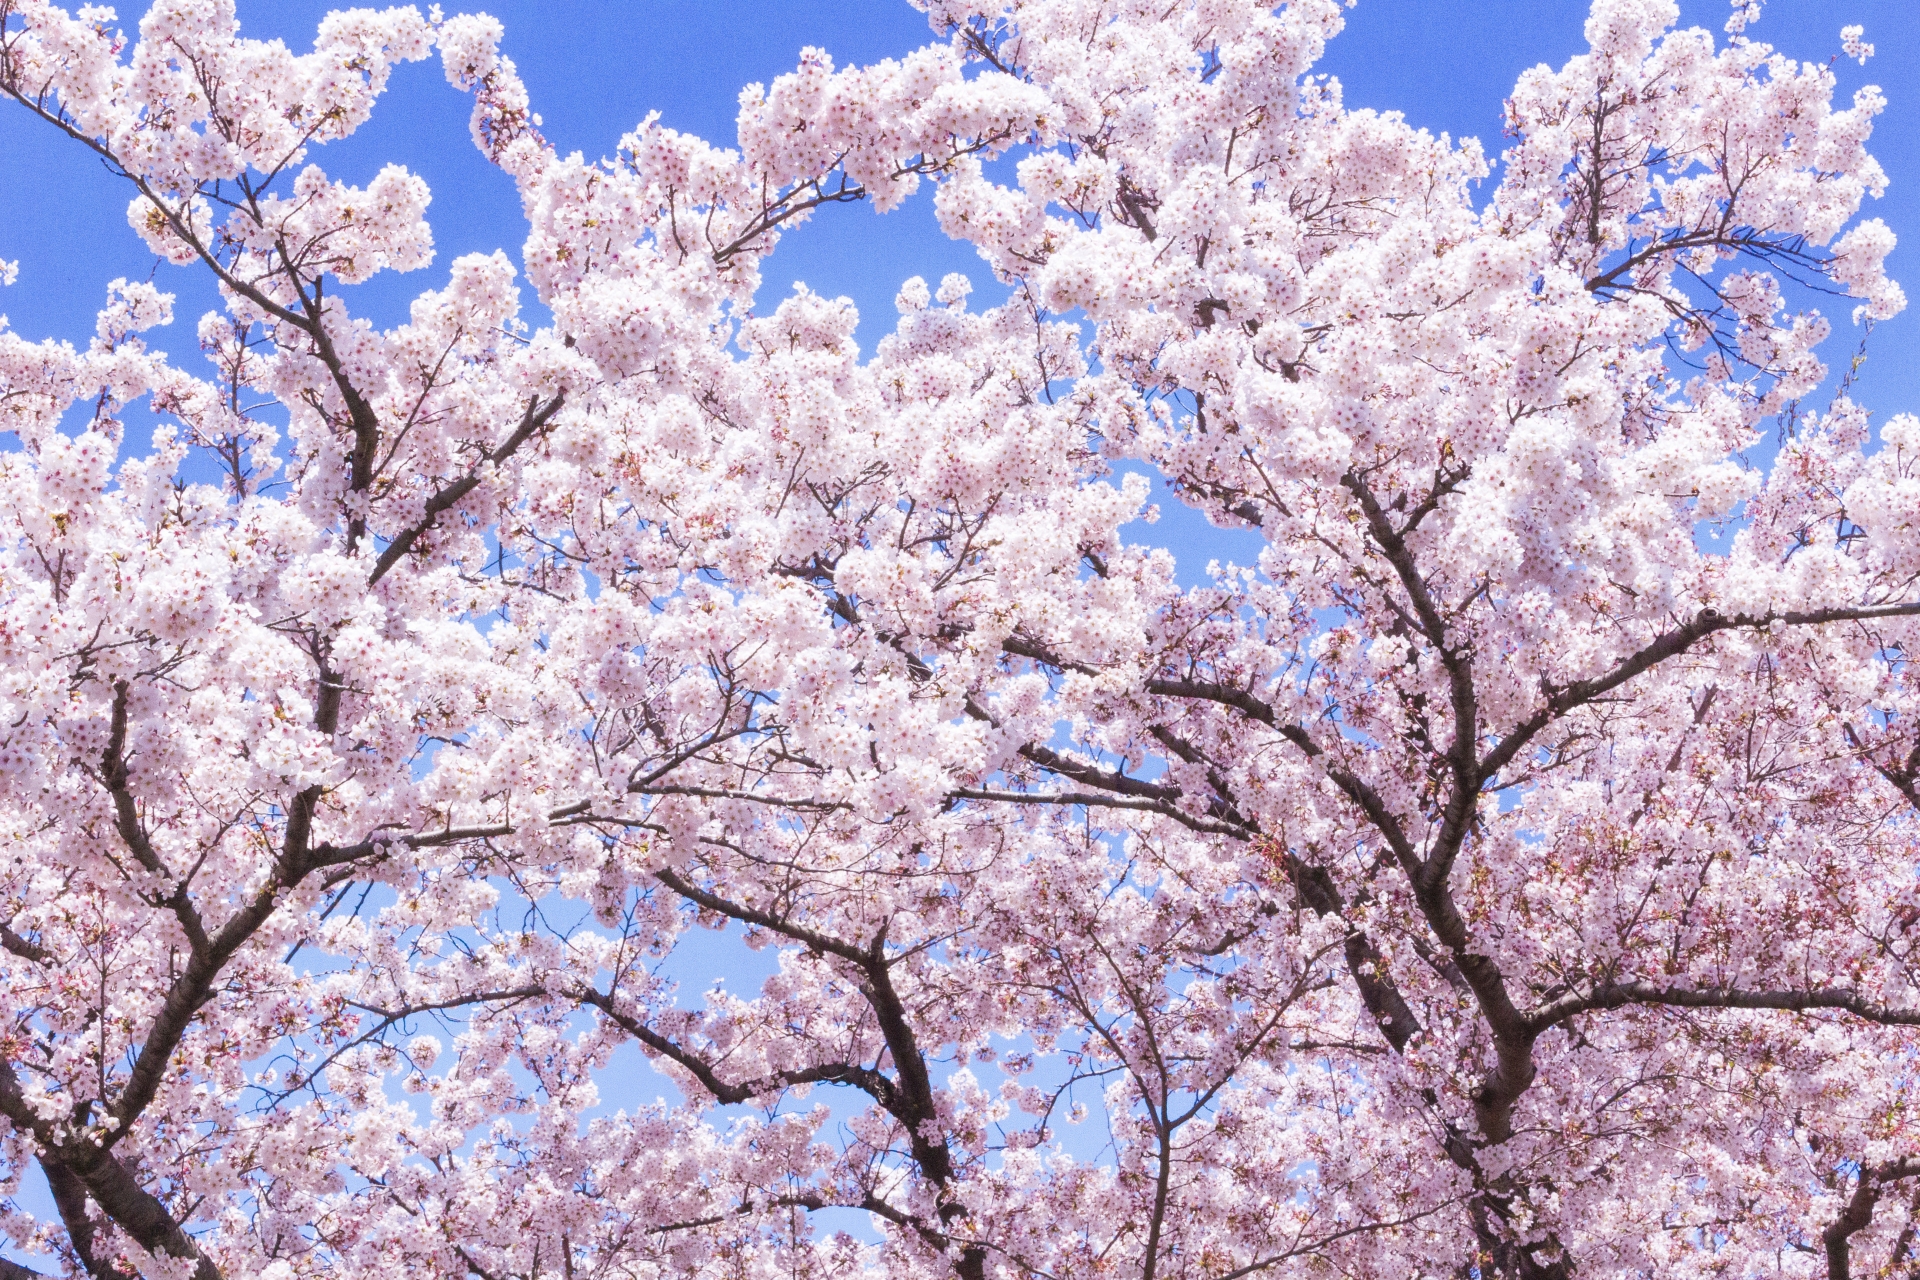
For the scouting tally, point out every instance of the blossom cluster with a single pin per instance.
(1497, 877)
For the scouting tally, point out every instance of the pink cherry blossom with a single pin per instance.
(1511, 872)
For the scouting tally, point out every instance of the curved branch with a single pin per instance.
(1615, 995)
(111, 1184)
(1837, 1238)
(1669, 644)
(866, 1079)
(536, 417)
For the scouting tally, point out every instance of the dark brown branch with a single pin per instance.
(750, 915)
(16, 945)
(1565, 698)
(70, 1200)
(1241, 700)
(1094, 800)
(1020, 646)
(866, 1079)
(536, 417)
(1858, 1214)
(1462, 754)
(1391, 1012)
(912, 1090)
(89, 1161)
(1619, 994)
(724, 793)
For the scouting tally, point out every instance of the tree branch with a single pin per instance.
(867, 1080)
(536, 417)
(1669, 644)
(1615, 995)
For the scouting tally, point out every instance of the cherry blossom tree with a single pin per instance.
(1512, 873)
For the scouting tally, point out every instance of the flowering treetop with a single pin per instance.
(1491, 880)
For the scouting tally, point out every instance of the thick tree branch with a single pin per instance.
(536, 417)
(1669, 644)
(15, 945)
(90, 1162)
(1391, 1012)
(867, 1080)
(70, 1200)
(1615, 995)
(1858, 1213)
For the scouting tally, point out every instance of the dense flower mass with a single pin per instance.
(1510, 874)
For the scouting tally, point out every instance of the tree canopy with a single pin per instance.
(1510, 873)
